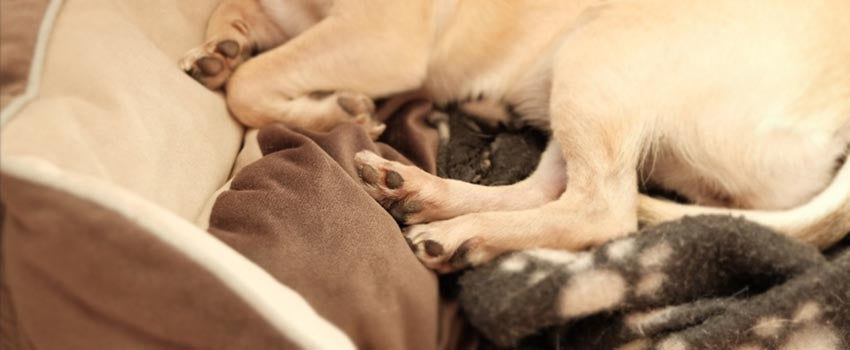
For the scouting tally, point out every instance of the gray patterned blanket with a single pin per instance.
(699, 283)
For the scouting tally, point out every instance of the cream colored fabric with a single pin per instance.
(250, 153)
(113, 104)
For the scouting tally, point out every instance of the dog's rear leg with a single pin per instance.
(236, 30)
(329, 73)
(601, 148)
(822, 221)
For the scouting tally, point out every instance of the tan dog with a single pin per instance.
(741, 106)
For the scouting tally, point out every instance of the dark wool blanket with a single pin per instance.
(707, 282)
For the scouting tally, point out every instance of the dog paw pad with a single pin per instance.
(210, 65)
(368, 174)
(433, 248)
(228, 48)
(402, 208)
(394, 180)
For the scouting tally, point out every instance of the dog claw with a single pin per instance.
(410, 244)
(458, 259)
(354, 106)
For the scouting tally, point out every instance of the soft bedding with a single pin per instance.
(118, 234)
(699, 283)
(112, 159)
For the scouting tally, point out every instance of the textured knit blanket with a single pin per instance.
(708, 282)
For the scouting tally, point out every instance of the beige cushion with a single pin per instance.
(112, 103)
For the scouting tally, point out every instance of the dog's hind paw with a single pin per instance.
(450, 245)
(361, 109)
(212, 63)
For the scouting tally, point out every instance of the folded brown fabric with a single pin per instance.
(300, 213)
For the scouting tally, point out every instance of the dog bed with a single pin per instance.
(124, 226)
(138, 215)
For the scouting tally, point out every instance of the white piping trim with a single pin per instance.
(281, 306)
(36, 64)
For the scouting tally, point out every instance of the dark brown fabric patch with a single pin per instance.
(21, 20)
(11, 336)
(82, 277)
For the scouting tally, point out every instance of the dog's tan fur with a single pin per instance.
(741, 104)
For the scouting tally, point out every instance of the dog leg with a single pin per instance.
(237, 30)
(328, 74)
(414, 196)
(599, 204)
(602, 149)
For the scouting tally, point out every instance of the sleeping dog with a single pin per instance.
(743, 107)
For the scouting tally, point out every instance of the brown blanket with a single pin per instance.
(300, 213)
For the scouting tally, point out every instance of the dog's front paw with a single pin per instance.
(212, 63)
(408, 193)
